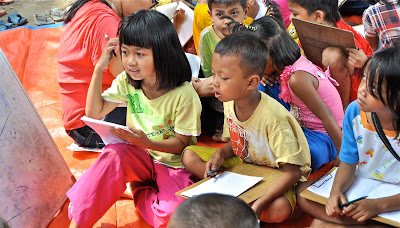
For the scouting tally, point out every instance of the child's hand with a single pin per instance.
(179, 18)
(362, 210)
(268, 78)
(214, 164)
(137, 138)
(107, 55)
(332, 205)
(357, 57)
(252, 8)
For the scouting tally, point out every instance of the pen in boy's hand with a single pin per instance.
(211, 172)
(115, 54)
(353, 201)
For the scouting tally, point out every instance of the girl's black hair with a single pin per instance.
(76, 6)
(383, 70)
(330, 7)
(152, 30)
(283, 50)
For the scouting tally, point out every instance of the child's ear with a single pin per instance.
(253, 81)
(209, 12)
(319, 16)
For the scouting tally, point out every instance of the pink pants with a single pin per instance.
(105, 181)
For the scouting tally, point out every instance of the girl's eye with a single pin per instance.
(125, 52)
(140, 54)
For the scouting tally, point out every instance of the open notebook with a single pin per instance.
(361, 187)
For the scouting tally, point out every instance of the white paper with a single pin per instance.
(76, 147)
(186, 29)
(226, 183)
(361, 187)
(103, 128)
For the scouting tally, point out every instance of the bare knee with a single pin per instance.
(277, 211)
(334, 58)
(189, 157)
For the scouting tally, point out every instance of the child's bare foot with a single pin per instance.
(217, 137)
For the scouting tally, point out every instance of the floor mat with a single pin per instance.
(32, 54)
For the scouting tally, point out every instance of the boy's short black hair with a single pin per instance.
(242, 3)
(252, 51)
(214, 210)
(330, 7)
(153, 30)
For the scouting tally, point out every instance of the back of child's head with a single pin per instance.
(383, 71)
(330, 7)
(283, 50)
(214, 210)
(243, 3)
(152, 30)
(251, 50)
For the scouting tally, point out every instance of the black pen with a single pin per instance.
(115, 54)
(355, 69)
(353, 201)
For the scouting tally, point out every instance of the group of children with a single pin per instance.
(163, 112)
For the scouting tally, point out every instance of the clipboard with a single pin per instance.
(315, 37)
(322, 200)
(270, 175)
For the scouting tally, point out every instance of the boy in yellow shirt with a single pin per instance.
(261, 131)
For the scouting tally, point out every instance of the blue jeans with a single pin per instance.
(87, 137)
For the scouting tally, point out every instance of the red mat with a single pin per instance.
(32, 54)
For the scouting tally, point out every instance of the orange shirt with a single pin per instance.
(81, 46)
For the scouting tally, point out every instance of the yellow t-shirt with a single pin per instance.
(202, 19)
(176, 111)
(271, 136)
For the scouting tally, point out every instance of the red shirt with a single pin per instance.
(81, 46)
(362, 44)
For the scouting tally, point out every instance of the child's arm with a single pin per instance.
(343, 180)
(218, 158)
(291, 175)
(204, 88)
(304, 87)
(96, 107)
(174, 145)
(368, 208)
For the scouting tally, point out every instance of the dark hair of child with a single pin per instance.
(252, 51)
(383, 69)
(214, 210)
(330, 7)
(152, 30)
(243, 3)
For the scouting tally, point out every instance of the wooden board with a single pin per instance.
(270, 176)
(315, 37)
(33, 174)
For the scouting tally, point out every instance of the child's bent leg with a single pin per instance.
(193, 163)
(337, 61)
(156, 204)
(105, 181)
(280, 208)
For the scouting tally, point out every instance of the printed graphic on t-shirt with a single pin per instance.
(239, 139)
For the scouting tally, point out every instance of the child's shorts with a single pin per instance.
(205, 154)
(291, 196)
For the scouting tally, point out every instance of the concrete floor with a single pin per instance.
(27, 8)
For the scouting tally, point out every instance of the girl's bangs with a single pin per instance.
(135, 34)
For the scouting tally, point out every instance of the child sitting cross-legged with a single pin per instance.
(344, 69)
(261, 130)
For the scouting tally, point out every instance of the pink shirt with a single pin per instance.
(326, 90)
(81, 46)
